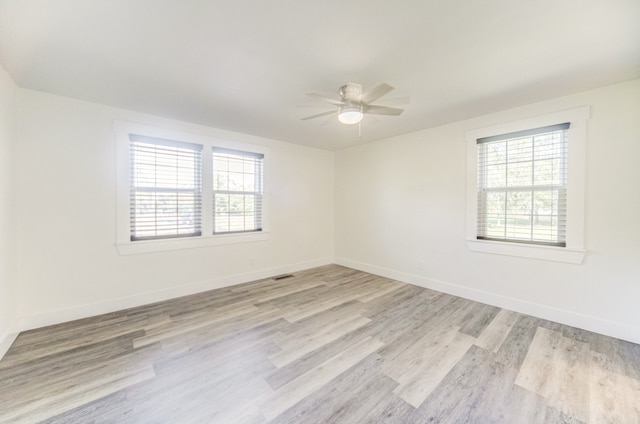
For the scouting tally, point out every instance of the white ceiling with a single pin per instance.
(246, 65)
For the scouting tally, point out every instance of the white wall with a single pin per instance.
(67, 264)
(8, 313)
(401, 201)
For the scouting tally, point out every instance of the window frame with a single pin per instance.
(124, 244)
(574, 250)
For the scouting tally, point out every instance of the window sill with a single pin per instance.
(150, 246)
(545, 253)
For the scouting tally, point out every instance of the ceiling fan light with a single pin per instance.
(350, 115)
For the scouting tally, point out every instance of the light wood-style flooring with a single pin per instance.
(327, 345)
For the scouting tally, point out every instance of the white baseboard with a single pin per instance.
(112, 305)
(574, 319)
(7, 339)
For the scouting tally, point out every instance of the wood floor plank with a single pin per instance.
(477, 319)
(553, 368)
(293, 392)
(296, 348)
(415, 387)
(402, 366)
(295, 369)
(287, 289)
(383, 287)
(350, 397)
(454, 400)
(70, 396)
(110, 408)
(176, 328)
(341, 294)
(497, 331)
(614, 397)
(393, 410)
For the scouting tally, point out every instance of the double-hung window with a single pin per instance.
(165, 188)
(525, 187)
(237, 191)
(522, 186)
(180, 190)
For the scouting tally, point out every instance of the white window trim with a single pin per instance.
(574, 251)
(123, 236)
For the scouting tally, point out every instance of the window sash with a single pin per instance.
(165, 188)
(237, 191)
(522, 186)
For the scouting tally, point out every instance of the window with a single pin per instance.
(525, 187)
(179, 190)
(522, 186)
(237, 191)
(165, 190)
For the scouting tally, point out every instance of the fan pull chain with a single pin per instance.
(359, 130)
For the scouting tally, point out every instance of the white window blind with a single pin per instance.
(522, 186)
(237, 191)
(165, 188)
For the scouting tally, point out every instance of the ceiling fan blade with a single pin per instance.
(329, 120)
(375, 93)
(331, 112)
(382, 110)
(325, 99)
(372, 120)
(396, 101)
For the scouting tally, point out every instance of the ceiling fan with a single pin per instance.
(354, 104)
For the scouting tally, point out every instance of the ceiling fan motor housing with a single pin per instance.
(351, 92)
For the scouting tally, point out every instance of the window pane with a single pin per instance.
(545, 202)
(518, 202)
(236, 181)
(222, 223)
(495, 203)
(236, 203)
(249, 221)
(249, 182)
(497, 176)
(221, 164)
(547, 172)
(518, 227)
(496, 153)
(495, 225)
(519, 150)
(519, 174)
(220, 180)
(236, 165)
(221, 203)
